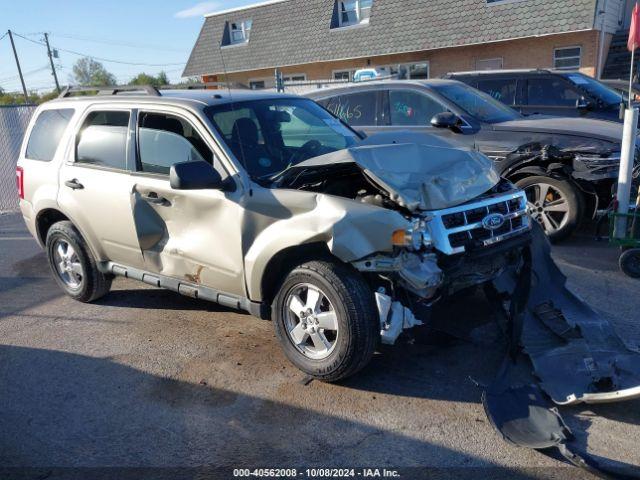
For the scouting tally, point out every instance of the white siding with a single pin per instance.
(614, 13)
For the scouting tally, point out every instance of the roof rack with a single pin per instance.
(498, 71)
(146, 89)
(110, 90)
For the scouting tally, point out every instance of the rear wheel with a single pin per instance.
(630, 262)
(326, 320)
(73, 265)
(554, 204)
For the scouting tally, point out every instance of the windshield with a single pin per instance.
(606, 95)
(476, 103)
(269, 136)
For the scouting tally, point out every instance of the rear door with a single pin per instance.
(190, 235)
(550, 95)
(361, 109)
(503, 89)
(95, 184)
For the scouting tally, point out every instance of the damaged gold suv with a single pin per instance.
(266, 203)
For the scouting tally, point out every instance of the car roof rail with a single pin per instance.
(204, 86)
(110, 90)
(150, 90)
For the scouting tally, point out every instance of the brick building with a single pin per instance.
(330, 39)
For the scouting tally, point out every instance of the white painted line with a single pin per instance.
(16, 238)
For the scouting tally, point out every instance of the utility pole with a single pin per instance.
(53, 68)
(15, 54)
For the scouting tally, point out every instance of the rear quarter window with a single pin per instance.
(47, 133)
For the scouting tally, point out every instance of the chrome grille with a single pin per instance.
(453, 230)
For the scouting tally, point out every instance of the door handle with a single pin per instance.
(74, 184)
(152, 197)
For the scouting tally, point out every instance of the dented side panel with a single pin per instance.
(191, 235)
(351, 230)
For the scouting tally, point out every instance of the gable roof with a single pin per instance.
(293, 32)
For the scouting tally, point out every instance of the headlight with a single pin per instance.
(411, 239)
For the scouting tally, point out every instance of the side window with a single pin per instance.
(503, 89)
(357, 109)
(46, 134)
(165, 139)
(549, 91)
(102, 140)
(412, 108)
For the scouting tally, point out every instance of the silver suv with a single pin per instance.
(266, 203)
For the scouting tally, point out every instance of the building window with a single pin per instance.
(489, 64)
(295, 77)
(343, 75)
(567, 58)
(354, 12)
(240, 31)
(413, 71)
(257, 84)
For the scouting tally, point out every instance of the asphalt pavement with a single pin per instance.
(147, 378)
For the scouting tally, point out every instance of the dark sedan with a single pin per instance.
(567, 166)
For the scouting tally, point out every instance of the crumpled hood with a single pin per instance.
(580, 127)
(419, 172)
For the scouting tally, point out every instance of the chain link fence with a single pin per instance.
(13, 124)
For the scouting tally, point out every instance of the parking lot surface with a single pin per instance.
(147, 378)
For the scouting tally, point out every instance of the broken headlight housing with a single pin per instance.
(414, 238)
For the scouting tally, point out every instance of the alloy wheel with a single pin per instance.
(67, 262)
(548, 206)
(311, 321)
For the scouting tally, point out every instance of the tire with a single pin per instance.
(545, 209)
(345, 302)
(73, 265)
(630, 262)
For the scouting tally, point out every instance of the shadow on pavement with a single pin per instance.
(150, 297)
(66, 410)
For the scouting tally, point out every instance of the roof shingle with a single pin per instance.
(292, 32)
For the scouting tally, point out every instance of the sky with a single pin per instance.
(154, 35)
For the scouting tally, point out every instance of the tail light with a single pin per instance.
(20, 181)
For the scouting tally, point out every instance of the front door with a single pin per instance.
(408, 109)
(95, 186)
(190, 235)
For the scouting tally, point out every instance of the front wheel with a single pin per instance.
(326, 320)
(554, 203)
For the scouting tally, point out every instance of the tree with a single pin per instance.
(145, 79)
(88, 72)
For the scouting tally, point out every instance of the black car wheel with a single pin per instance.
(326, 320)
(73, 265)
(554, 204)
(630, 262)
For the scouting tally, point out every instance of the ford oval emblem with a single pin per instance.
(493, 221)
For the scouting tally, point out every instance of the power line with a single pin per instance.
(115, 42)
(107, 60)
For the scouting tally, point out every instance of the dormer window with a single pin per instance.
(240, 31)
(354, 12)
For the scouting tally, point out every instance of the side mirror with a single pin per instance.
(446, 120)
(583, 104)
(194, 176)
